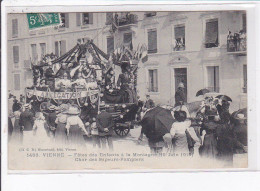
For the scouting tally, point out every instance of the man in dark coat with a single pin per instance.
(105, 128)
(49, 75)
(148, 103)
(16, 106)
(124, 83)
(51, 116)
(180, 96)
(27, 118)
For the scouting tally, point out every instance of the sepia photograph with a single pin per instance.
(127, 90)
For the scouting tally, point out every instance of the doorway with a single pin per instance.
(180, 75)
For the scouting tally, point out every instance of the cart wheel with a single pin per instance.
(122, 131)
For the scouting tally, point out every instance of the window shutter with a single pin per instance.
(155, 81)
(152, 41)
(57, 48)
(244, 22)
(66, 20)
(16, 81)
(90, 18)
(127, 38)
(14, 27)
(109, 18)
(179, 32)
(78, 19)
(110, 44)
(34, 52)
(63, 47)
(16, 54)
(212, 32)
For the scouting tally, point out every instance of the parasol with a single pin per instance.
(202, 92)
(224, 97)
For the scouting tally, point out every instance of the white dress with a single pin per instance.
(41, 135)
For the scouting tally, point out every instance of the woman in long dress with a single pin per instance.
(39, 130)
(180, 131)
(75, 127)
(60, 132)
(17, 135)
(209, 138)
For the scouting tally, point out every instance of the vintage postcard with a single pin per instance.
(127, 90)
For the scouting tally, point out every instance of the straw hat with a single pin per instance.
(73, 111)
(240, 116)
(52, 107)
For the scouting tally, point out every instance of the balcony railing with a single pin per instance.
(237, 42)
(126, 19)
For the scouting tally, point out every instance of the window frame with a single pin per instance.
(153, 67)
(36, 48)
(82, 16)
(205, 18)
(59, 42)
(18, 63)
(183, 24)
(147, 40)
(206, 75)
(15, 35)
(107, 44)
(15, 80)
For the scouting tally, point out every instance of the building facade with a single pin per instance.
(189, 47)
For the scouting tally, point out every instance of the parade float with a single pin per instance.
(85, 77)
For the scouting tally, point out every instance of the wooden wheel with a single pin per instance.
(122, 131)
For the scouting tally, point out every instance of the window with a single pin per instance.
(244, 22)
(109, 18)
(87, 18)
(244, 78)
(153, 80)
(152, 41)
(83, 40)
(150, 14)
(16, 56)
(17, 82)
(64, 20)
(110, 44)
(14, 28)
(179, 35)
(213, 78)
(43, 49)
(127, 38)
(60, 48)
(211, 38)
(34, 52)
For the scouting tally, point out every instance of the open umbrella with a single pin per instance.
(157, 122)
(202, 92)
(224, 97)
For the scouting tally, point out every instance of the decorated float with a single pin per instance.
(85, 76)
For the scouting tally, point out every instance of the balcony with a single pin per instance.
(237, 43)
(125, 19)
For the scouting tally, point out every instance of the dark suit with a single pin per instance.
(180, 97)
(27, 120)
(105, 120)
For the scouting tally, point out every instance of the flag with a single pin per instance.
(144, 55)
